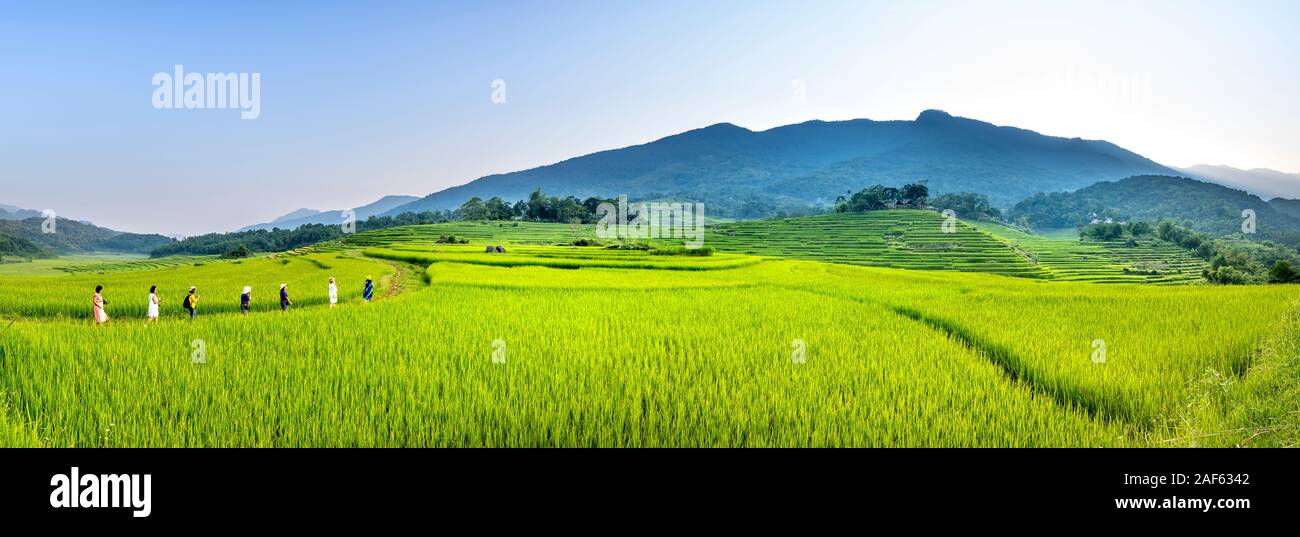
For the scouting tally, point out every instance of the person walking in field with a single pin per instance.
(97, 306)
(334, 293)
(246, 300)
(192, 302)
(284, 298)
(369, 292)
(154, 302)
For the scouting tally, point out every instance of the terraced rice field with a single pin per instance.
(908, 239)
(1104, 261)
(900, 239)
(478, 232)
(634, 351)
(101, 267)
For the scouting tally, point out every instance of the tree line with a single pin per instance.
(537, 208)
(243, 243)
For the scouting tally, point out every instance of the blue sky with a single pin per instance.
(360, 100)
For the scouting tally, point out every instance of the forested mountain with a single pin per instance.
(26, 238)
(1286, 206)
(1198, 205)
(741, 173)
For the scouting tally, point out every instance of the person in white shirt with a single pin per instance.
(334, 293)
(154, 301)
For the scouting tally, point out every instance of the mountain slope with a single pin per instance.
(19, 236)
(1203, 206)
(310, 216)
(1286, 206)
(746, 174)
(10, 212)
(300, 213)
(1262, 182)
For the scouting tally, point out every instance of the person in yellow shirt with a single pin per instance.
(192, 302)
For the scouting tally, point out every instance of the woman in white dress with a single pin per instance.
(334, 293)
(154, 301)
(97, 303)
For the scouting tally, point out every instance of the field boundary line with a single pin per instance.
(1012, 367)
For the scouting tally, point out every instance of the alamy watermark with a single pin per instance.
(949, 224)
(800, 351)
(349, 225)
(652, 221)
(498, 91)
(199, 351)
(498, 351)
(49, 222)
(96, 491)
(1098, 351)
(215, 91)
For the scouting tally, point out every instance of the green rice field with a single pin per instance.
(845, 330)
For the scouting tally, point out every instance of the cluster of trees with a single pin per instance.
(880, 197)
(967, 205)
(537, 208)
(1236, 262)
(20, 247)
(1111, 232)
(239, 243)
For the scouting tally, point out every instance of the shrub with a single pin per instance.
(239, 252)
(703, 251)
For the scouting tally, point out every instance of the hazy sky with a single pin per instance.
(364, 99)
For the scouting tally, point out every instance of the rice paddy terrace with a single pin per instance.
(908, 239)
(897, 239)
(631, 348)
(1150, 260)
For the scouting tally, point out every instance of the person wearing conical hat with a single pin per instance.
(284, 297)
(369, 292)
(334, 292)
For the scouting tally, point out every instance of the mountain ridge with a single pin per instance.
(302, 217)
(1263, 182)
(803, 166)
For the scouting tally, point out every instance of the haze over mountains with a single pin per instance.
(1262, 182)
(1199, 205)
(801, 168)
(22, 233)
(746, 174)
(312, 216)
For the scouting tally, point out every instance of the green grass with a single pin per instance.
(85, 263)
(606, 348)
(219, 282)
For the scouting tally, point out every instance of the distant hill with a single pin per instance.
(9, 212)
(1262, 182)
(740, 173)
(300, 213)
(1203, 206)
(1286, 206)
(26, 238)
(311, 216)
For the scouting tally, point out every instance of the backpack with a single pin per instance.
(187, 305)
